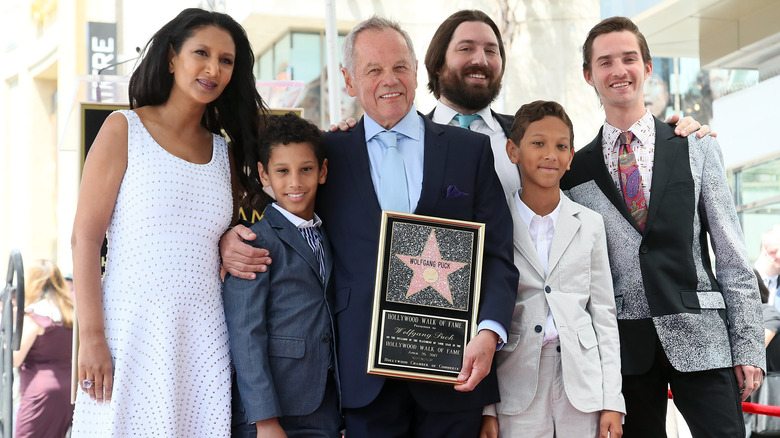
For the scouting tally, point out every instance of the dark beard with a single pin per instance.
(454, 88)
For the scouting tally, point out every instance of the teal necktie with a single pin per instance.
(465, 121)
(393, 192)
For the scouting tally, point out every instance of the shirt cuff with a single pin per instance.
(489, 410)
(496, 328)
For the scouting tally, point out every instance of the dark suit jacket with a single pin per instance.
(664, 284)
(351, 213)
(280, 326)
(505, 120)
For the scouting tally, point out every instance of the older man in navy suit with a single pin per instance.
(445, 172)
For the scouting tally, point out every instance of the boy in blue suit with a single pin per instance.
(280, 325)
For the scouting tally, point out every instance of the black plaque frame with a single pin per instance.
(420, 325)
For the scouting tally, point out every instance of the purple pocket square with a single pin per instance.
(453, 192)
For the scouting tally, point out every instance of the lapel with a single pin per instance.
(290, 234)
(328, 256)
(359, 165)
(505, 121)
(434, 159)
(522, 240)
(593, 160)
(566, 228)
(669, 151)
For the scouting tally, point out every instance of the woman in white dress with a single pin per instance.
(153, 356)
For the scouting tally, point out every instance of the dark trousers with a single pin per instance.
(708, 400)
(395, 414)
(325, 422)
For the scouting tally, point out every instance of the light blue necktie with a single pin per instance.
(393, 193)
(465, 121)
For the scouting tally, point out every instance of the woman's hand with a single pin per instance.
(96, 376)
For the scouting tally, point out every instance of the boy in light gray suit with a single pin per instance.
(280, 325)
(559, 372)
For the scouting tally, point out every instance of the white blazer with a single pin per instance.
(578, 289)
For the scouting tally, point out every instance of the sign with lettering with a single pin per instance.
(101, 48)
(426, 296)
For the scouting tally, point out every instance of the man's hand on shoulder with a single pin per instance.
(343, 125)
(239, 258)
(687, 125)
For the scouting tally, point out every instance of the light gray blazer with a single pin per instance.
(578, 290)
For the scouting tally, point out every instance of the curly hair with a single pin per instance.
(286, 129)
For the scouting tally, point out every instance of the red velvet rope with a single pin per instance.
(755, 408)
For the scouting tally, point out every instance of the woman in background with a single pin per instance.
(44, 358)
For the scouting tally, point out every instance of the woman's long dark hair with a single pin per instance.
(239, 112)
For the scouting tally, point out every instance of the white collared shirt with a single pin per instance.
(643, 145)
(488, 125)
(541, 229)
(295, 220)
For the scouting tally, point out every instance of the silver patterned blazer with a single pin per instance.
(665, 287)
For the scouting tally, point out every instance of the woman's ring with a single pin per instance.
(87, 383)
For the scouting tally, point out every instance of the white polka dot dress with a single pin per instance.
(162, 301)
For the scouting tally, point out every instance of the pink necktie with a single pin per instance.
(631, 180)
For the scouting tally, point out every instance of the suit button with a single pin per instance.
(325, 338)
(643, 249)
(547, 289)
(538, 329)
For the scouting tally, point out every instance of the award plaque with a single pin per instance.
(426, 296)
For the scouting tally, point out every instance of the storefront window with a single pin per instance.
(300, 56)
(680, 85)
(756, 191)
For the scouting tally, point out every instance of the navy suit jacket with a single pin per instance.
(348, 204)
(280, 326)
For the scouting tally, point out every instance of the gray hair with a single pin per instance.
(373, 23)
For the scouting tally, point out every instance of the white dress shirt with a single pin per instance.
(297, 221)
(488, 125)
(541, 229)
